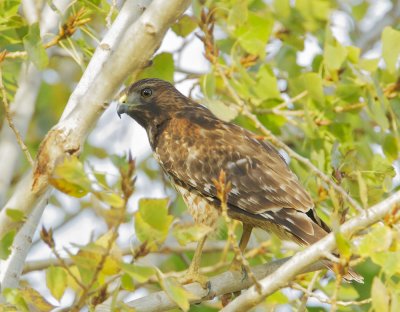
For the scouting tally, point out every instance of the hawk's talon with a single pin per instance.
(195, 277)
(245, 274)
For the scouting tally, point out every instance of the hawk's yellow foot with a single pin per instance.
(237, 264)
(193, 273)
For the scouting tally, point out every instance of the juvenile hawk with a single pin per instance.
(193, 146)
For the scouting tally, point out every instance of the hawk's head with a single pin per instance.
(151, 101)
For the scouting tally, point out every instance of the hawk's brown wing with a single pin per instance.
(194, 149)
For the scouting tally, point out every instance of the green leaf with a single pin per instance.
(254, 34)
(343, 245)
(282, 8)
(190, 233)
(221, 110)
(379, 239)
(363, 190)
(6, 243)
(380, 296)
(112, 199)
(69, 177)
(57, 281)
(15, 297)
(311, 82)
(208, 85)
(370, 65)
(152, 222)
(360, 10)
(238, 14)
(15, 214)
(390, 147)
(388, 260)
(162, 67)
(267, 85)
(353, 54)
(334, 56)
(127, 282)
(139, 273)
(34, 47)
(184, 26)
(390, 47)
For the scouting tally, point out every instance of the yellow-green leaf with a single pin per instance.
(69, 177)
(379, 239)
(380, 296)
(184, 26)
(33, 45)
(56, 280)
(110, 198)
(138, 272)
(175, 291)
(390, 47)
(152, 222)
(388, 260)
(127, 282)
(5, 244)
(334, 56)
(343, 245)
(161, 67)
(35, 300)
(15, 214)
(190, 233)
(15, 297)
(363, 189)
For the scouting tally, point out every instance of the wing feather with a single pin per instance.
(193, 155)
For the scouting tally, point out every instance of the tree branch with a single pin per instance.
(168, 249)
(274, 275)
(227, 282)
(301, 260)
(23, 106)
(367, 39)
(126, 48)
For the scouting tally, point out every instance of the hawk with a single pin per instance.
(192, 146)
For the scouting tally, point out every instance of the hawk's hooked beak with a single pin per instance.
(122, 107)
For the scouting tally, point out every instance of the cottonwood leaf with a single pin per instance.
(175, 291)
(152, 222)
(190, 233)
(56, 281)
(390, 47)
(70, 178)
(33, 45)
(138, 272)
(380, 296)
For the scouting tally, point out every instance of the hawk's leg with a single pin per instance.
(237, 263)
(193, 273)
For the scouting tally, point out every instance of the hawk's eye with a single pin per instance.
(146, 92)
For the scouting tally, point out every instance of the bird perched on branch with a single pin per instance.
(193, 146)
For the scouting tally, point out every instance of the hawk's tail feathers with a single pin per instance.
(350, 276)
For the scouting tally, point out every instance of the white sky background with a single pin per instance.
(117, 136)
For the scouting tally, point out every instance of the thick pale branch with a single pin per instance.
(313, 253)
(126, 48)
(23, 106)
(22, 110)
(274, 275)
(135, 35)
(227, 282)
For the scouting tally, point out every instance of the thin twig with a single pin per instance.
(11, 122)
(223, 188)
(327, 300)
(306, 294)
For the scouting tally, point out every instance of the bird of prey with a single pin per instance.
(192, 146)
